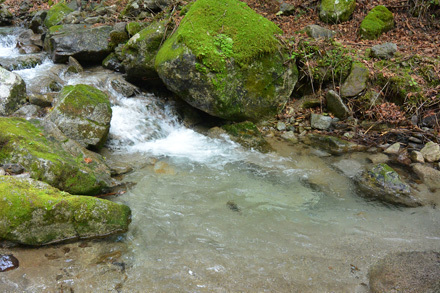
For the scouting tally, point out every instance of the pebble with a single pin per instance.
(393, 149)
(415, 140)
(281, 126)
(417, 157)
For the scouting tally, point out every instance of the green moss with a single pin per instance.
(116, 38)
(336, 11)
(77, 98)
(216, 31)
(377, 21)
(247, 134)
(46, 160)
(56, 14)
(35, 213)
(135, 27)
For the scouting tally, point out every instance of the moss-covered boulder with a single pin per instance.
(139, 52)
(378, 21)
(52, 157)
(226, 60)
(34, 213)
(83, 113)
(83, 42)
(383, 183)
(336, 11)
(356, 81)
(12, 92)
(56, 14)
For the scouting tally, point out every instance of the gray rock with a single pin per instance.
(336, 105)
(281, 126)
(356, 82)
(383, 183)
(378, 158)
(417, 157)
(42, 100)
(336, 11)
(139, 52)
(321, 122)
(431, 152)
(319, 32)
(135, 7)
(83, 42)
(410, 272)
(393, 149)
(112, 62)
(50, 82)
(29, 49)
(384, 51)
(429, 176)
(74, 66)
(12, 92)
(93, 19)
(83, 113)
(290, 137)
(24, 38)
(2, 172)
(349, 168)
(28, 111)
(286, 9)
(37, 22)
(123, 87)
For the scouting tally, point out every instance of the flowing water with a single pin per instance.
(210, 216)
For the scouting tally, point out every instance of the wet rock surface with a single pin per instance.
(8, 262)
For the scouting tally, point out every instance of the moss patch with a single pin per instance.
(56, 14)
(216, 31)
(377, 21)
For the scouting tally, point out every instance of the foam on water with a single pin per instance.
(8, 46)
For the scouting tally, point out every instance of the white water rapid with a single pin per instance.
(210, 216)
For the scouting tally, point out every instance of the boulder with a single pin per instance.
(225, 60)
(112, 62)
(37, 22)
(356, 81)
(319, 32)
(429, 176)
(42, 100)
(12, 92)
(417, 157)
(56, 14)
(28, 111)
(83, 42)
(286, 9)
(336, 105)
(123, 87)
(383, 183)
(51, 157)
(378, 21)
(384, 51)
(411, 272)
(139, 52)
(431, 152)
(336, 11)
(34, 213)
(320, 122)
(6, 16)
(83, 113)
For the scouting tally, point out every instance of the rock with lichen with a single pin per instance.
(226, 60)
(336, 11)
(12, 92)
(34, 213)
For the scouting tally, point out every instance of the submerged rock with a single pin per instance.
(334, 145)
(51, 157)
(22, 61)
(383, 183)
(12, 92)
(429, 176)
(336, 11)
(414, 271)
(83, 113)
(34, 213)
(227, 64)
(378, 21)
(83, 42)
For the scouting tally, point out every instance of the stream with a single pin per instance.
(211, 216)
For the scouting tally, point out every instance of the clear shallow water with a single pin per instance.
(211, 216)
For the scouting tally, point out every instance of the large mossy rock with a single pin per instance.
(51, 157)
(138, 53)
(226, 60)
(83, 113)
(56, 14)
(413, 271)
(12, 92)
(379, 20)
(336, 11)
(83, 42)
(383, 183)
(34, 213)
